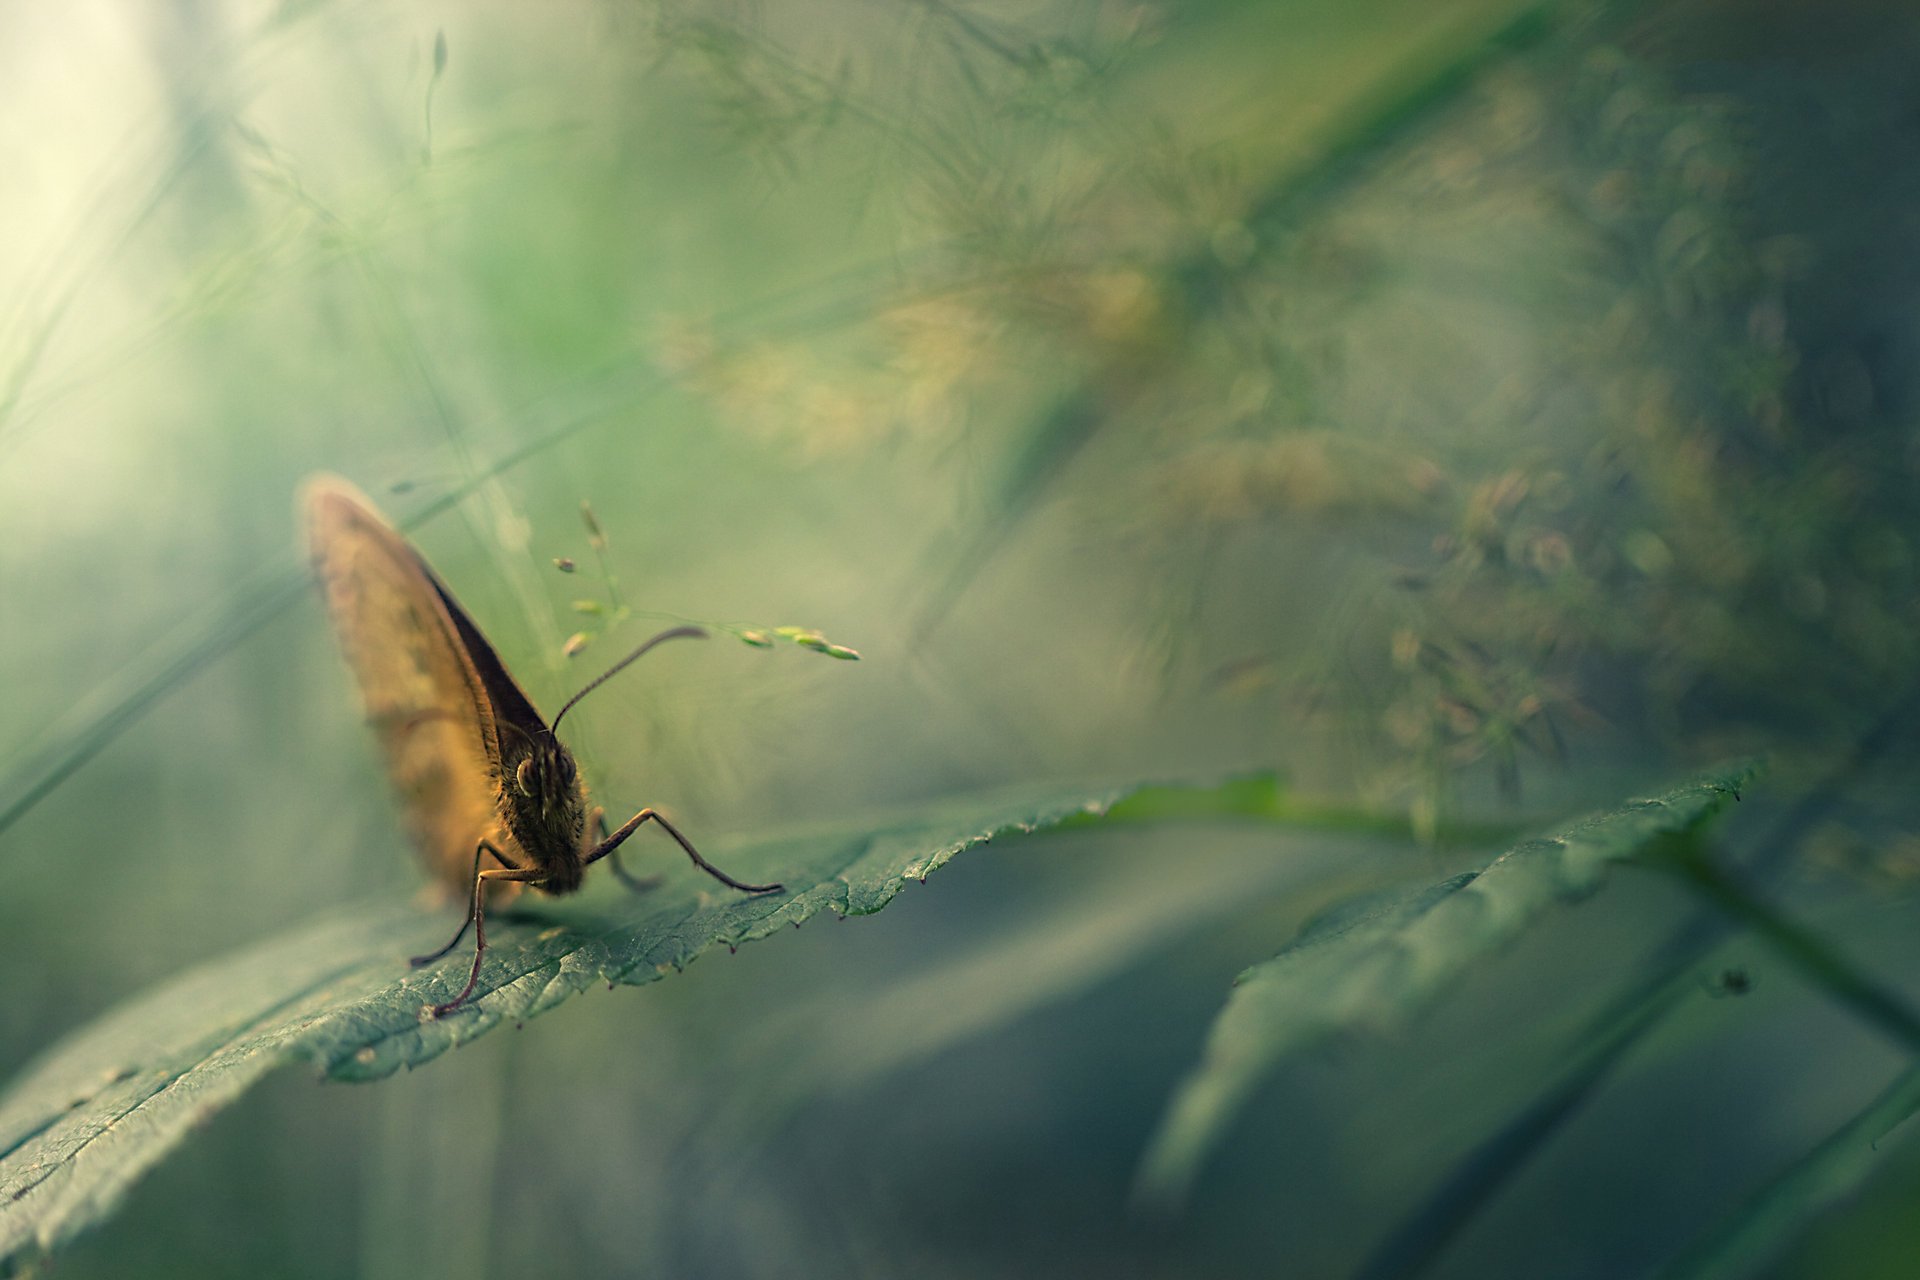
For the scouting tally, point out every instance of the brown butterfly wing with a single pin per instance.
(504, 697)
(414, 655)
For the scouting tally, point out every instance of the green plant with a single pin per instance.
(1435, 421)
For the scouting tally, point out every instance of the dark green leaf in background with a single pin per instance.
(1373, 963)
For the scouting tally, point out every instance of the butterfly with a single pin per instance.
(482, 777)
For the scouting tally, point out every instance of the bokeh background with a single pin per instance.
(1471, 413)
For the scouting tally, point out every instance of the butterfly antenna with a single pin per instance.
(675, 633)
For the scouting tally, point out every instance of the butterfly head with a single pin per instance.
(545, 808)
(541, 799)
(546, 775)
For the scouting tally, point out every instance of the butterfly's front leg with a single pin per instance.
(479, 851)
(612, 843)
(476, 916)
(597, 823)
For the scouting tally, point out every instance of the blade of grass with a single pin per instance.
(1423, 1235)
(1818, 959)
(1776, 1214)
(248, 65)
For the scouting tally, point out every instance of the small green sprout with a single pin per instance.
(613, 612)
(805, 637)
(596, 536)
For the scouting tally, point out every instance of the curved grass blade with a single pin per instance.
(134, 690)
(88, 1120)
(123, 188)
(1777, 1214)
(1374, 962)
(1417, 1241)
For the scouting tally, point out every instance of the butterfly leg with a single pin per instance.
(479, 851)
(479, 917)
(613, 842)
(597, 820)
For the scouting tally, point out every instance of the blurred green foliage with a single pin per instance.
(1471, 413)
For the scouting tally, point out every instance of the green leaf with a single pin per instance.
(1371, 963)
(78, 1128)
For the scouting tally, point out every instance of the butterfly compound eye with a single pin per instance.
(523, 776)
